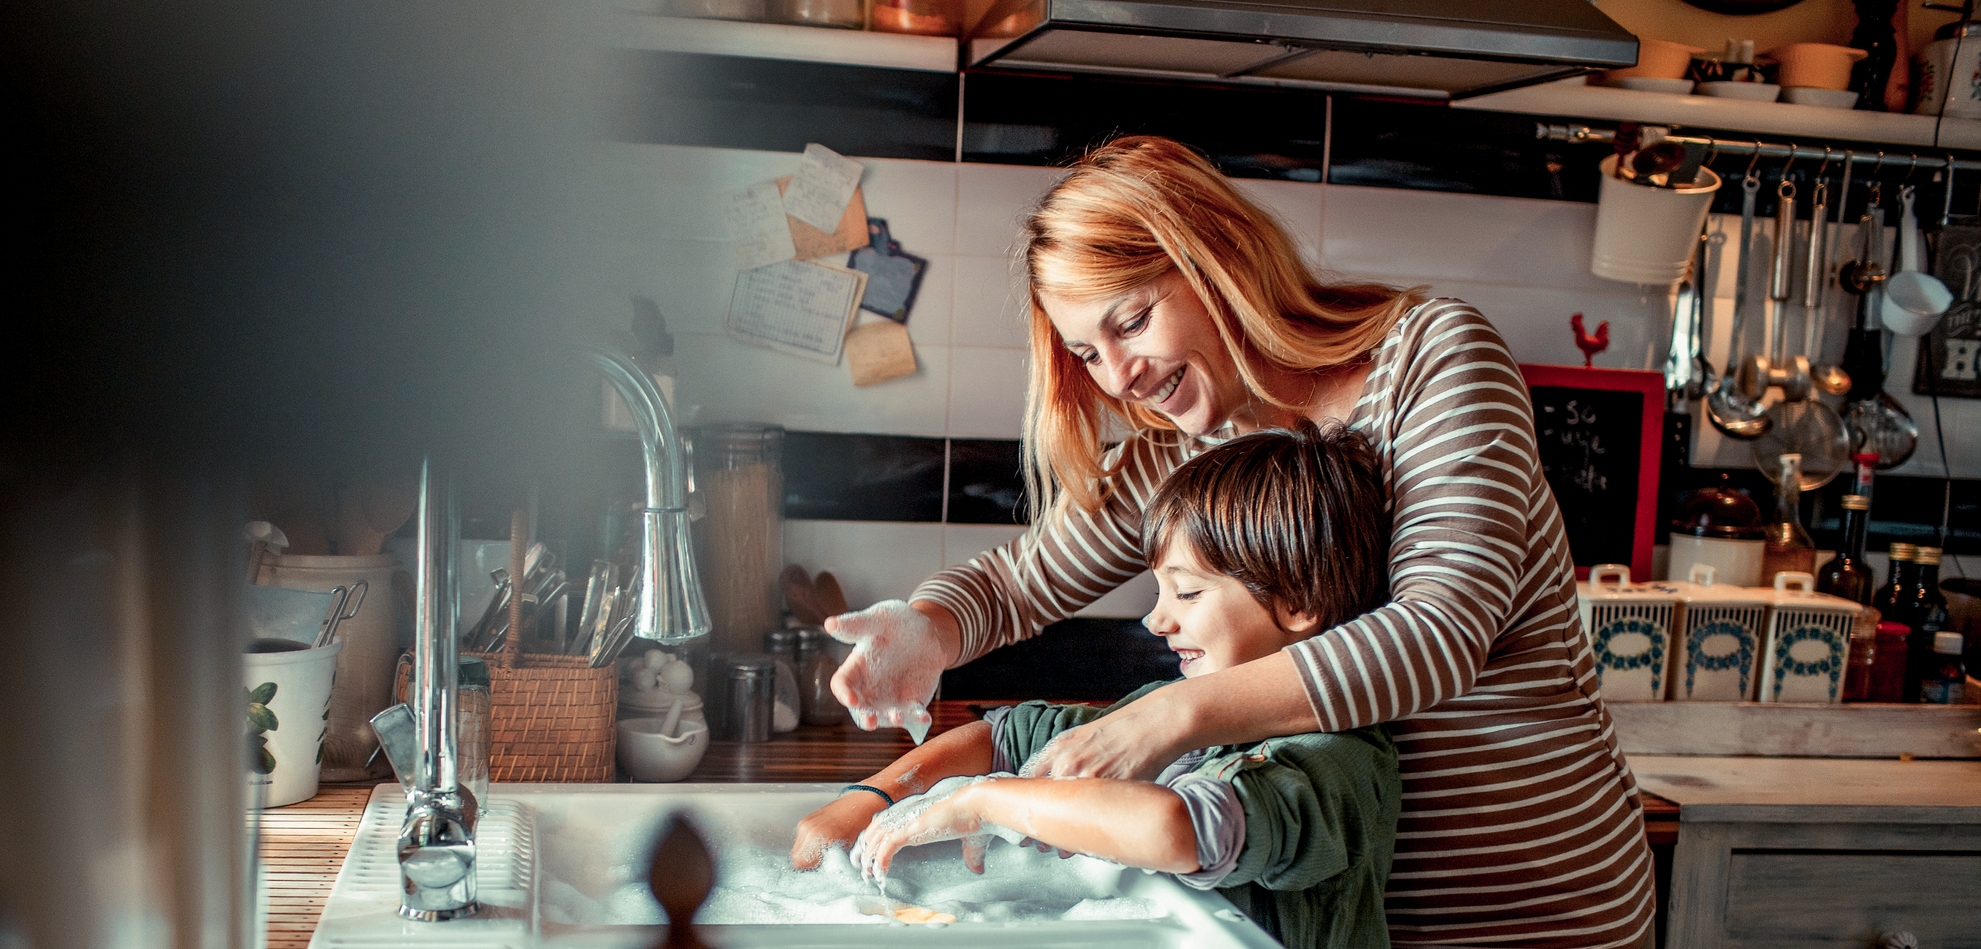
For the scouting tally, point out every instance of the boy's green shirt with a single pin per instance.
(1320, 822)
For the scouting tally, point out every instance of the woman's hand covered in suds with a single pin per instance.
(896, 663)
(940, 814)
(836, 824)
(1111, 747)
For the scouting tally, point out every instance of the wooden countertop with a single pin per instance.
(303, 845)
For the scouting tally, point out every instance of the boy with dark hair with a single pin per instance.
(1296, 831)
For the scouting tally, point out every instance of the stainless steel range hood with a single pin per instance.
(1436, 49)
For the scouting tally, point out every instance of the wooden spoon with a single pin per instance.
(825, 591)
(799, 597)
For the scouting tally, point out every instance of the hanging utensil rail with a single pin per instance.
(1558, 132)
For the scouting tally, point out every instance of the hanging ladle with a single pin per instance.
(1726, 407)
(1688, 376)
(1826, 377)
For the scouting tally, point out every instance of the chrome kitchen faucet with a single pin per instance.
(437, 841)
(672, 608)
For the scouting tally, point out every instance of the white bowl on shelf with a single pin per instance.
(1749, 91)
(1824, 98)
(1676, 87)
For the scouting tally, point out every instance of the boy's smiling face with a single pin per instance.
(1211, 621)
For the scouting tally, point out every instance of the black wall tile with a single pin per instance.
(780, 105)
(1074, 660)
(1423, 147)
(986, 483)
(832, 476)
(1045, 120)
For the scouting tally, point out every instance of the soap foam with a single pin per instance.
(757, 885)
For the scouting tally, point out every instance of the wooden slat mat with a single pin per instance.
(302, 848)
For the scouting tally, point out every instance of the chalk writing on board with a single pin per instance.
(1577, 437)
(1589, 444)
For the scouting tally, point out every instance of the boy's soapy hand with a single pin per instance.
(898, 656)
(836, 824)
(945, 812)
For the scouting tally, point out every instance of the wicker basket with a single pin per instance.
(552, 719)
(551, 715)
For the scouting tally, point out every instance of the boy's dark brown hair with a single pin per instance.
(1298, 516)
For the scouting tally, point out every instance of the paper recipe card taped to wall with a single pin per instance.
(796, 307)
(821, 188)
(758, 233)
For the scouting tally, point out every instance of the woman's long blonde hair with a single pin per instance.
(1133, 211)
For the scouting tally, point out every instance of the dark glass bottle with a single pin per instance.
(1875, 36)
(1903, 574)
(1846, 575)
(1924, 612)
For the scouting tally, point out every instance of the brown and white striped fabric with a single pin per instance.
(1521, 823)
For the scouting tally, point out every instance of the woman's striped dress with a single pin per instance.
(1521, 823)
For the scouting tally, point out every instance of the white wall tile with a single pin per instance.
(918, 199)
(987, 392)
(1133, 599)
(990, 309)
(872, 560)
(992, 200)
(960, 542)
(1298, 206)
(1517, 241)
(723, 380)
(1535, 320)
(682, 187)
(932, 317)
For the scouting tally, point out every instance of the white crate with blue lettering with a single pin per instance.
(1808, 641)
(1630, 628)
(1722, 631)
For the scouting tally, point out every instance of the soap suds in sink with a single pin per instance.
(756, 885)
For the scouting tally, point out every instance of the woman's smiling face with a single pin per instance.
(1155, 345)
(1210, 620)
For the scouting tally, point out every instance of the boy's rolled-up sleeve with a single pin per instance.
(1313, 805)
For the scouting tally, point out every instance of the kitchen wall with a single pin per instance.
(1523, 261)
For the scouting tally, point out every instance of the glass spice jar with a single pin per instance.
(739, 477)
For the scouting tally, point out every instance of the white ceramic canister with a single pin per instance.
(288, 695)
(1936, 73)
(366, 664)
(1808, 642)
(1629, 628)
(1736, 560)
(1720, 638)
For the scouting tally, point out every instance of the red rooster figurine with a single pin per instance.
(1590, 345)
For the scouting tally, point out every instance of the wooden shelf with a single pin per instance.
(779, 41)
(1576, 98)
(1858, 730)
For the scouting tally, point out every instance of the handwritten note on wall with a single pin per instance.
(758, 234)
(798, 307)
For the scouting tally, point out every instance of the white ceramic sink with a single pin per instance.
(565, 865)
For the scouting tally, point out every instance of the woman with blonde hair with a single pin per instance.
(1170, 313)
